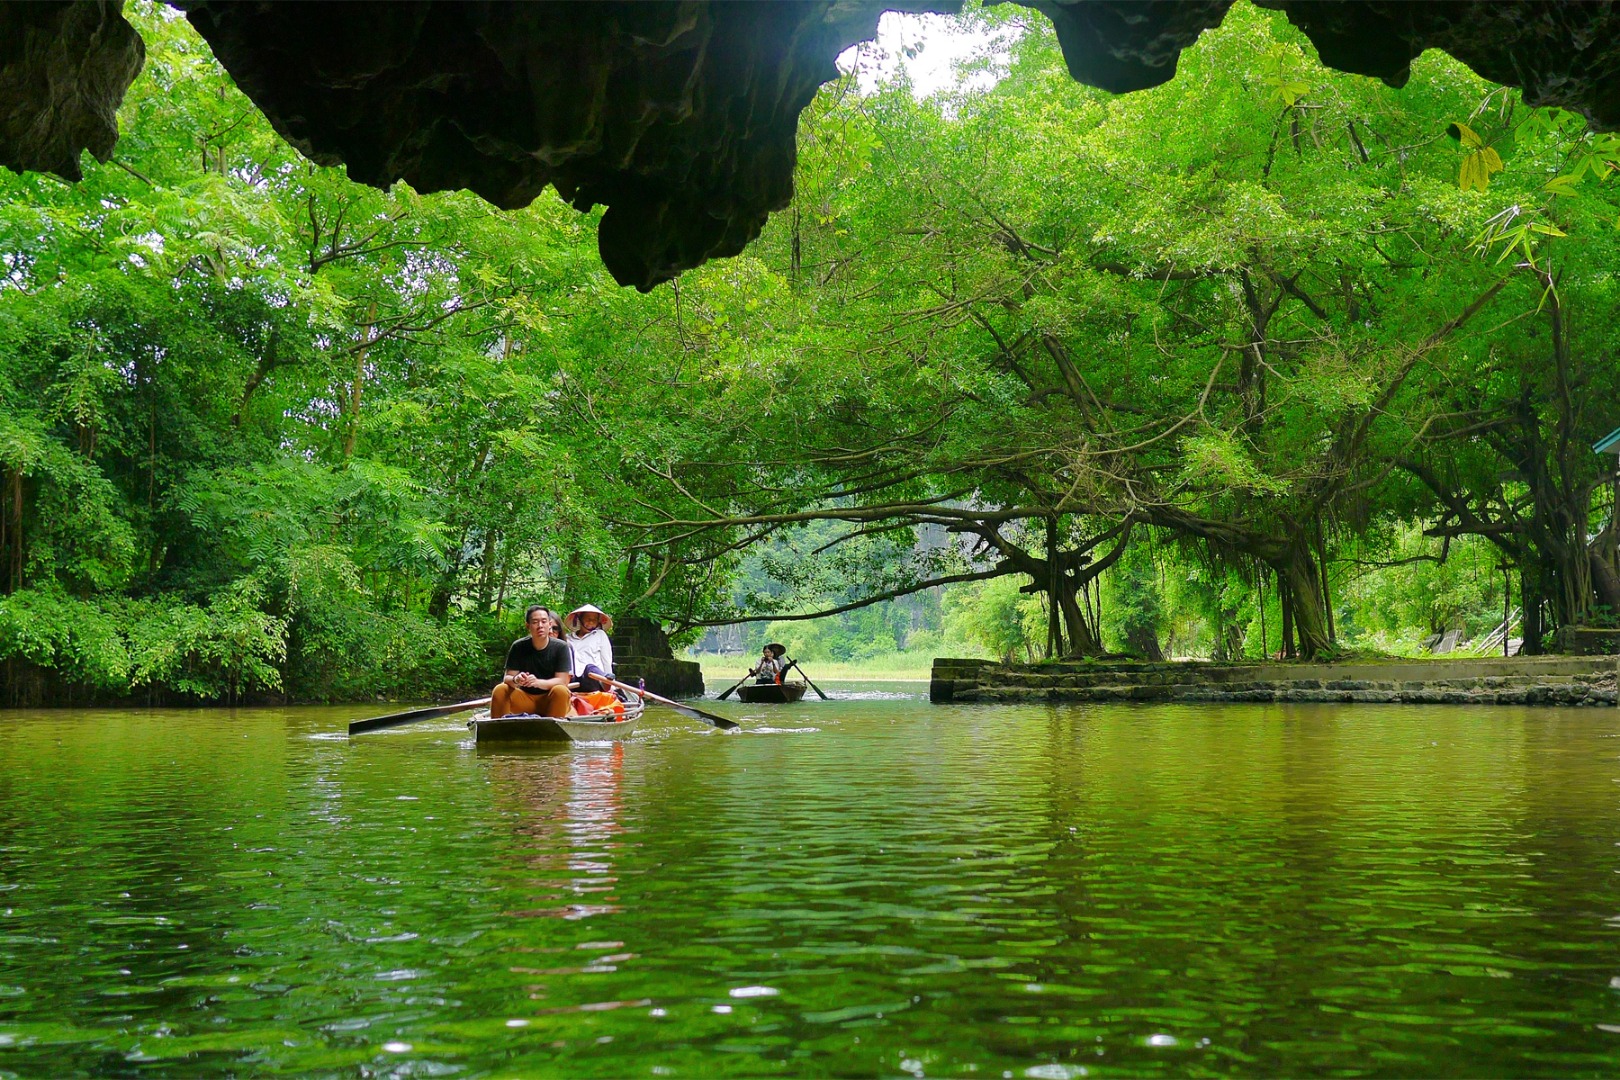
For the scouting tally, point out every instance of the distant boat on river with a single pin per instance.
(771, 693)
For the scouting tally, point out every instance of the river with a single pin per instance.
(868, 886)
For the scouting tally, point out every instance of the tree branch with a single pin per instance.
(1000, 570)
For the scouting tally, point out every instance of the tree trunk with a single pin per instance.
(1230, 647)
(1082, 635)
(1054, 586)
(11, 533)
(1285, 598)
(1144, 641)
(629, 588)
(506, 576)
(1531, 591)
(572, 565)
(1304, 605)
(1322, 569)
(1605, 581)
(439, 599)
(1265, 641)
(796, 255)
(369, 330)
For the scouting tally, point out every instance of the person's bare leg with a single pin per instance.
(558, 701)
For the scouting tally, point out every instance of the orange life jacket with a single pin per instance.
(596, 701)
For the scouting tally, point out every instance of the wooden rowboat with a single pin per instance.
(771, 693)
(526, 727)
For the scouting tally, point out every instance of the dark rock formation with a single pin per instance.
(64, 67)
(1125, 45)
(679, 115)
(1564, 54)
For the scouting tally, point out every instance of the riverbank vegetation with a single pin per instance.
(1269, 359)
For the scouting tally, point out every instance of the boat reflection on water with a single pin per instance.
(567, 802)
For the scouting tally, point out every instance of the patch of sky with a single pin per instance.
(933, 52)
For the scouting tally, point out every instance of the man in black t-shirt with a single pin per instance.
(537, 669)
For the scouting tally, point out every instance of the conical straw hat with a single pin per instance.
(571, 620)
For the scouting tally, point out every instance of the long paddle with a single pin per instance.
(686, 710)
(376, 723)
(813, 686)
(727, 692)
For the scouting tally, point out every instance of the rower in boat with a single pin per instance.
(768, 671)
(587, 627)
(769, 686)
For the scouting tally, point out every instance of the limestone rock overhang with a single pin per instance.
(680, 116)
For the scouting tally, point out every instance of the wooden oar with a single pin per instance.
(727, 692)
(795, 664)
(377, 723)
(686, 710)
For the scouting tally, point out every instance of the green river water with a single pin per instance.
(873, 886)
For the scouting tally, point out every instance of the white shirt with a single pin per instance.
(592, 648)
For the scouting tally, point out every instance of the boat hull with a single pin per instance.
(770, 693)
(525, 727)
(548, 729)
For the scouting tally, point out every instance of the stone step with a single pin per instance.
(1117, 671)
(1496, 691)
(1100, 683)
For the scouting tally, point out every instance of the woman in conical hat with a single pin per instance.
(587, 627)
(769, 669)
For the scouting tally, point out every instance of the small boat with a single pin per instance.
(603, 725)
(770, 693)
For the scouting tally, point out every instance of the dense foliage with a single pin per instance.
(1182, 371)
(1265, 319)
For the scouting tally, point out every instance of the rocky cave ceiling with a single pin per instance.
(678, 115)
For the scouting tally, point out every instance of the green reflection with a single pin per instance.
(859, 887)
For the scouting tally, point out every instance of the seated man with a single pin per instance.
(536, 672)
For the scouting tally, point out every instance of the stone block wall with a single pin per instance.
(1588, 640)
(1531, 680)
(641, 650)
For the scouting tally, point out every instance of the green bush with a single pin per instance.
(119, 645)
(80, 639)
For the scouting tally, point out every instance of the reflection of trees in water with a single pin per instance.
(1316, 845)
(569, 802)
(110, 831)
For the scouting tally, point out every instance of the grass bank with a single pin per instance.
(720, 671)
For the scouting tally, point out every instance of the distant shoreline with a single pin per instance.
(720, 671)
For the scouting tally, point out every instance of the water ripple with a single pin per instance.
(898, 888)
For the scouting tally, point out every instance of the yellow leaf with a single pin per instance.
(1290, 92)
(1475, 170)
(1465, 135)
(1470, 174)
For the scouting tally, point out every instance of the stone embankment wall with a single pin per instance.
(1528, 680)
(640, 650)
